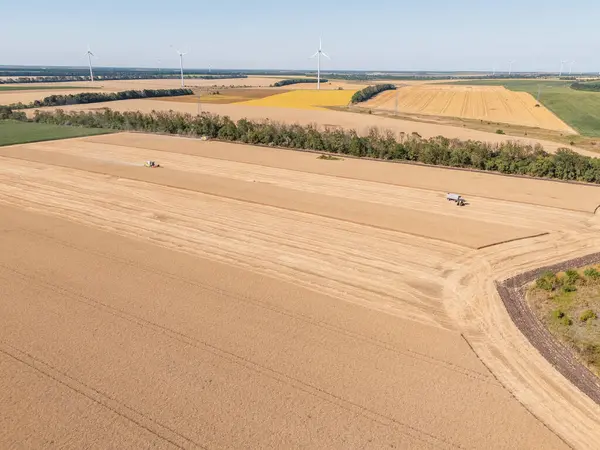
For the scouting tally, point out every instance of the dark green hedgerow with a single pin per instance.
(507, 157)
(297, 81)
(370, 91)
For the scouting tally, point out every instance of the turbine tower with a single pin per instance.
(318, 55)
(181, 64)
(562, 65)
(89, 55)
(571, 67)
(510, 67)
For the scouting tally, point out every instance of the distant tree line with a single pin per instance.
(297, 81)
(593, 87)
(370, 91)
(506, 158)
(97, 97)
(117, 76)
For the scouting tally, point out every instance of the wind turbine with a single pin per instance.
(571, 67)
(510, 67)
(562, 64)
(318, 55)
(181, 64)
(180, 53)
(89, 55)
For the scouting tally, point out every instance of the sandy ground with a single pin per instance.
(186, 307)
(489, 103)
(360, 122)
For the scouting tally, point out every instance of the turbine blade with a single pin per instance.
(316, 53)
(325, 54)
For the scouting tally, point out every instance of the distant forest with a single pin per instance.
(114, 76)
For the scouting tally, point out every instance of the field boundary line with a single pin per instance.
(562, 358)
(513, 240)
(513, 395)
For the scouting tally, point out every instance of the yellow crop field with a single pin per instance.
(490, 103)
(304, 99)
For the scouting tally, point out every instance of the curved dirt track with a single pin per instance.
(512, 292)
(188, 308)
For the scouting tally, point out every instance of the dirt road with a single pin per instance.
(187, 307)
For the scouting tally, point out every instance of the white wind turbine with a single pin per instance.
(571, 67)
(318, 55)
(180, 53)
(562, 65)
(510, 67)
(89, 55)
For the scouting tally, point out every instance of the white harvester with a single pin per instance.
(151, 164)
(460, 201)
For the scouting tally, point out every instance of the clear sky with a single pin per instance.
(268, 34)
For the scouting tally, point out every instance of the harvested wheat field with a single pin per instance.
(488, 103)
(249, 297)
(320, 117)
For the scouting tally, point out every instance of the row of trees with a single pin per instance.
(370, 91)
(97, 97)
(7, 113)
(592, 86)
(114, 76)
(508, 157)
(297, 81)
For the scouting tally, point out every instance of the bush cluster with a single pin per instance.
(97, 97)
(297, 81)
(590, 86)
(7, 113)
(370, 91)
(507, 157)
(587, 315)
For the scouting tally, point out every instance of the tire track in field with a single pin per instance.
(138, 418)
(232, 357)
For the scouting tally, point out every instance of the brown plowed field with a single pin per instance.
(488, 103)
(247, 297)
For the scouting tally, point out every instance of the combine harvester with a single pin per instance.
(455, 198)
(151, 164)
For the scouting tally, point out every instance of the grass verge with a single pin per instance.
(568, 303)
(13, 132)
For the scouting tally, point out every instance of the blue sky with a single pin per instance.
(361, 35)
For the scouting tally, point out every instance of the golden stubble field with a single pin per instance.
(245, 297)
(488, 103)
